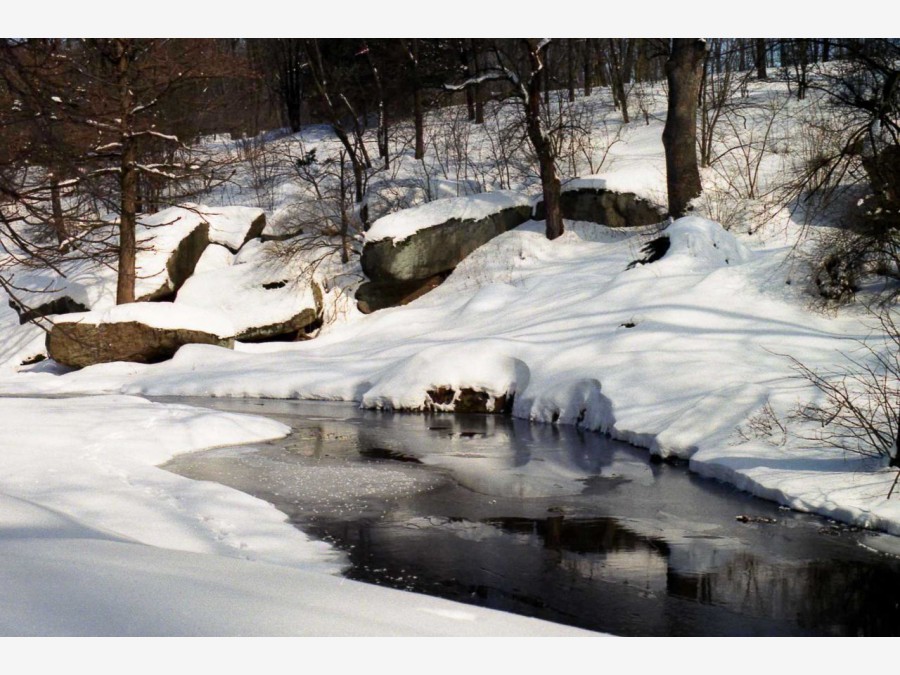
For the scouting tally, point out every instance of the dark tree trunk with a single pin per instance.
(761, 59)
(588, 66)
(128, 183)
(541, 143)
(383, 137)
(617, 79)
(418, 113)
(684, 72)
(570, 68)
(826, 49)
(345, 219)
(545, 73)
(468, 69)
(784, 49)
(479, 90)
(127, 225)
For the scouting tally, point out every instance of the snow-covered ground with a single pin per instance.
(96, 540)
(673, 356)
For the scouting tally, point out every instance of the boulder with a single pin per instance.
(468, 400)
(264, 296)
(138, 332)
(234, 226)
(180, 264)
(374, 295)
(589, 201)
(169, 244)
(438, 247)
(62, 304)
(410, 252)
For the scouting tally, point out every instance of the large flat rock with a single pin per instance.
(137, 332)
(432, 239)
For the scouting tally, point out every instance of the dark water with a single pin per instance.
(553, 523)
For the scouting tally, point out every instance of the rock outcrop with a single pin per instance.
(180, 264)
(589, 201)
(234, 226)
(265, 296)
(374, 295)
(140, 333)
(407, 251)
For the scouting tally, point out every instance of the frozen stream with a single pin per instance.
(556, 524)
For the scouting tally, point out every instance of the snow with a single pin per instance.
(239, 291)
(163, 315)
(403, 224)
(214, 257)
(673, 356)
(96, 540)
(230, 225)
(623, 182)
(93, 285)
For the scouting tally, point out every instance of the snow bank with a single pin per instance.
(96, 540)
(215, 257)
(403, 224)
(94, 459)
(164, 315)
(704, 242)
(478, 365)
(672, 356)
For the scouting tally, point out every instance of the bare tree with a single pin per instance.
(118, 105)
(521, 63)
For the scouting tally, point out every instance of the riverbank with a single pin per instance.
(677, 356)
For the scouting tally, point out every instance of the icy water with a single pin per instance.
(553, 523)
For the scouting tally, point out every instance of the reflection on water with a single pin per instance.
(557, 524)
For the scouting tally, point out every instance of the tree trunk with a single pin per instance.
(468, 70)
(588, 66)
(570, 68)
(684, 72)
(382, 136)
(127, 226)
(418, 114)
(128, 183)
(617, 80)
(546, 75)
(761, 59)
(478, 89)
(541, 143)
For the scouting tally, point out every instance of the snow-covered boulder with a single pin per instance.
(234, 226)
(410, 252)
(375, 295)
(263, 295)
(169, 244)
(421, 242)
(591, 199)
(184, 233)
(141, 332)
(470, 377)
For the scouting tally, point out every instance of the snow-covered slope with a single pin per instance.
(672, 355)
